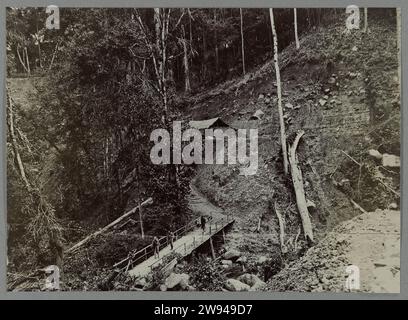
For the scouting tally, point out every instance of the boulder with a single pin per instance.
(235, 285)
(231, 254)
(226, 262)
(163, 287)
(177, 279)
(252, 280)
(390, 160)
(376, 154)
(393, 206)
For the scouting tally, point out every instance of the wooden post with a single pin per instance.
(141, 221)
(212, 248)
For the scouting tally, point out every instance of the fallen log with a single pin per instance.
(93, 235)
(357, 206)
(281, 229)
(297, 180)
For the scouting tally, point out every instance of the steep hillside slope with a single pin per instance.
(342, 90)
(370, 242)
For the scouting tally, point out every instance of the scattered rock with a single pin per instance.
(289, 106)
(175, 279)
(235, 285)
(393, 206)
(261, 96)
(231, 254)
(262, 260)
(163, 287)
(251, 280)
(390, 160)
(226, 262)
(376, 154)
(258, 115)
(354, 49)
(322, 102)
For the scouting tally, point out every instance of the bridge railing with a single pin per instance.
(145, 253)
(197, 240)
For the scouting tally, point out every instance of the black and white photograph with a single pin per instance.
(203, 149)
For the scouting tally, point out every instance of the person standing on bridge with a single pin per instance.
(156, 246)
(170, 239)
(203, 221)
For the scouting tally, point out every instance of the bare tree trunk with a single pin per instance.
(28, 61)
(365, 20)
(187, 87)
(217, 59)
(191, 34)
(39, 54)
(242, 41)
(299, 190)
(110, 225)
(21, 59)
(296, 28)
(279, 89)
(13, 139)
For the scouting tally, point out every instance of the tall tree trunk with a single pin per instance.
(296, 28)
(242, 41)
(185, 60)
(39, 54)
(217, 59)
(28, 61)
(365, 20)
(279, 89)
(191, 35)
(21, 59)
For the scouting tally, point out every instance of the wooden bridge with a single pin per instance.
(188, 238)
